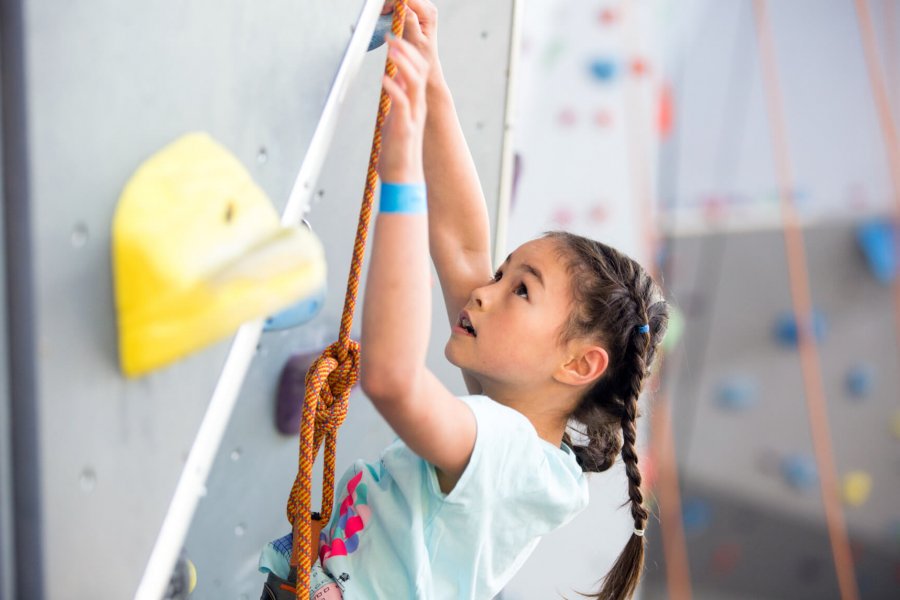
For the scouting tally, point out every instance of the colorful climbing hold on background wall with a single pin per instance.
(878, 241)
(787, 333)
(737, 393)
(604, 69)
(799, 471)
(666, 113)
(675, 330)
(608, 16)
(857, 485)
(567, 117)
(726, 557)
(697, 515)
(895, 425)
(860, 381)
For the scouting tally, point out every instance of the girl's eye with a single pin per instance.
(522, 290)
(497, 276)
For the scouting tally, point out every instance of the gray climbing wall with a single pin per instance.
(742, 516)
(737, 396)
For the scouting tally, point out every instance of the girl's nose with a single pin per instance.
(479, 296)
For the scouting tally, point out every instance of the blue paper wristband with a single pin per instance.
(403, 198)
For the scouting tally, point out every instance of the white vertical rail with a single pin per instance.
(507, 156)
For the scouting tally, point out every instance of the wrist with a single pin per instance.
(403, 198)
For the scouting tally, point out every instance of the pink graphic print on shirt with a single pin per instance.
(342, 538)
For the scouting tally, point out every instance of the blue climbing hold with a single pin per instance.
(787, 332)
(604, 69)
(860, 381)
(696, 515)
(799, 471)
(298, 314)
(382, 28)
(878, 239)
(737, 393)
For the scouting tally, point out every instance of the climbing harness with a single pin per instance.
(332, 375)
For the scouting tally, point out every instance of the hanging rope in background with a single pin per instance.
(333, 374)
(888, 128)
(662, 441)
(802, 306)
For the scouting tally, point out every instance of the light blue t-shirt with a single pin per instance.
(394, 534)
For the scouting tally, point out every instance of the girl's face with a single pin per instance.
(515, 320)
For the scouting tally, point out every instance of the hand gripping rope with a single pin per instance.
(333, 374)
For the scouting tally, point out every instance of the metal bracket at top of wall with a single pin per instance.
(191, 484)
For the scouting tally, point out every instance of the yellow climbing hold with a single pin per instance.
(857, 487)
(198, 249)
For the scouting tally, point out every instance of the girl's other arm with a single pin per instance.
(397, 307)
(458, 224)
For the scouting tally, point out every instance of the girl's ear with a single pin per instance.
(584, 366)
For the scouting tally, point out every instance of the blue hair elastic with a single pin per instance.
(644, 328)
(403, 198)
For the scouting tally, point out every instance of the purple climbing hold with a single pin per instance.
(291, 392)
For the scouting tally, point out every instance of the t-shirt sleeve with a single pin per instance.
(513, 467)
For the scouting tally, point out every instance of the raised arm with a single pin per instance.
(458, 224)
(397, 307)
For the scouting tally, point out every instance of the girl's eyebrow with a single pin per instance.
(529, 269)
(533, 271)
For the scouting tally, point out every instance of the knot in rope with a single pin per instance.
(331, 377)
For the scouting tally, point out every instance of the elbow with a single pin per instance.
(386, 384)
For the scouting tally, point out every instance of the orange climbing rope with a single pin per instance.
(802, 301)
(334, 373)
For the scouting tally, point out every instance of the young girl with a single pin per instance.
(562, 333)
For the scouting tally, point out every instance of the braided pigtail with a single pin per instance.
(617, 303)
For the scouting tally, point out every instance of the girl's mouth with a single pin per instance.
(465, 324)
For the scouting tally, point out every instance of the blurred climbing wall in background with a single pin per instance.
(635, 115)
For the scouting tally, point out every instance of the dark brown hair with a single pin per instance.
(614, 298)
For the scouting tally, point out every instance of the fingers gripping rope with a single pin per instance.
(333, 374)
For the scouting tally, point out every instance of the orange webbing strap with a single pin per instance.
(802, 301)
(334, 373)
(888, 127)
(662, 444)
